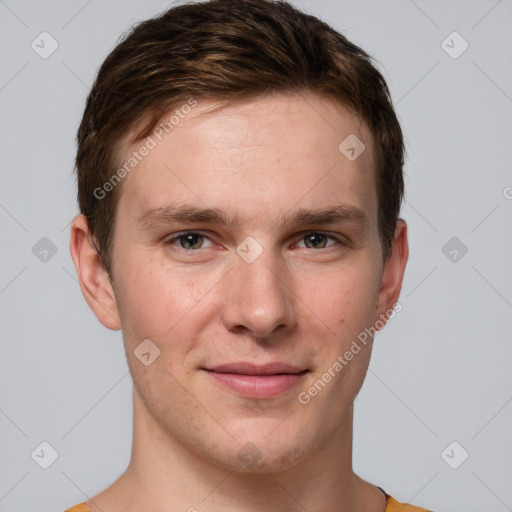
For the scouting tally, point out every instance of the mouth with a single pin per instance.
(258, 381)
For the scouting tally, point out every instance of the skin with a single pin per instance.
(296, 302)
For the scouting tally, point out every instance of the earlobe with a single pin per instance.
(393, 273)
(92, 276)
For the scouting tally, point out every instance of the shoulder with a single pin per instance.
(81, 507)
(391, 506)
(394, 506)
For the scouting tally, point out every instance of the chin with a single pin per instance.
(261, 453)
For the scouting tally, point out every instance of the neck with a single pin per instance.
(165, 475)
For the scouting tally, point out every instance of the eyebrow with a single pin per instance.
(193, 214)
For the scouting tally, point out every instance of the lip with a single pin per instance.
(258, 381)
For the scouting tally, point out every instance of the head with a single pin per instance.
(230, 51)
(240, 109)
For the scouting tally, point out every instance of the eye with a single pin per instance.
(188, 240)
(316, 240)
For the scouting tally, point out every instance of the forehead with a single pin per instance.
(268, 151)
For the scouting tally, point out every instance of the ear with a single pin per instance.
(92, 276)
(393, 273)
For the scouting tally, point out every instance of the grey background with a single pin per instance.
(440, 371)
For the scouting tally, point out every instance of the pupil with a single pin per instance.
(315, 239)
(189, 239)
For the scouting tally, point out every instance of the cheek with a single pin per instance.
(160, 302)
(143, 302)
(163, 304)
(344, 299)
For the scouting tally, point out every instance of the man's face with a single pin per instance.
(250, 314)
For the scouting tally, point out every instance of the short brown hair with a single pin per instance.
(227, 50)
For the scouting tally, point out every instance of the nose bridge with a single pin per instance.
(259, 298)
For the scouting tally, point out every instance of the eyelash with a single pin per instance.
(177, 236)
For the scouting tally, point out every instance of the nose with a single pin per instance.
(260, 302)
